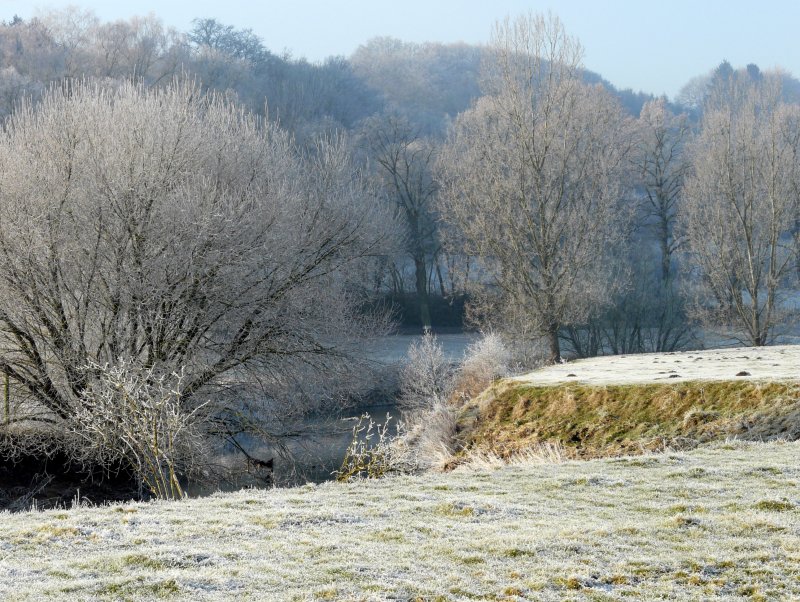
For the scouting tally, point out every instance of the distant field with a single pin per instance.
(777, 362)
(717, 522)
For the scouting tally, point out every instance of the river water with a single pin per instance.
(321, 451)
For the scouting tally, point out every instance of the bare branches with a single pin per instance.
(742, 203)
(662, 164)
(137, 419)
(532, 179)
(405, 162)
(171, 231)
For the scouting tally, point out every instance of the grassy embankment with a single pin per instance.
(602, 420)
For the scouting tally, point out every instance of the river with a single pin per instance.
(321, 451)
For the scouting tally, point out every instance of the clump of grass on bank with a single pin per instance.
(599, 420)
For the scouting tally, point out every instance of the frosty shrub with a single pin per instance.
(485, 360)
(426, 385)
(426, 378)
(428, 440)
(431, 437)
(135, 418)
(431, 391)
(372, 453)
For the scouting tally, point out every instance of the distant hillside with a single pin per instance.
(433, 82)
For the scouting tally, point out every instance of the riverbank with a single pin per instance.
(617, 405)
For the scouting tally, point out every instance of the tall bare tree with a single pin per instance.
(171, 231)
(741, 203)
(649, 315)
(405, 161)
(532, 179)
(661, 161)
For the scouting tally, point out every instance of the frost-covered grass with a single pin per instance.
(714, 522)
(778, 362)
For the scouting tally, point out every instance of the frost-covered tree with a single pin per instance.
(171, 231)
(404, 162)
(661, 161)
(742, 201)
(532, 179)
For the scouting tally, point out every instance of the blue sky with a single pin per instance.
(654, 46)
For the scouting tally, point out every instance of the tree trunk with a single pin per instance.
(7, 399)
(441, 279)
(666, 256)
(553, 344)
(422, 292)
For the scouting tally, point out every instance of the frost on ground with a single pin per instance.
(718, 522)
(762, 363)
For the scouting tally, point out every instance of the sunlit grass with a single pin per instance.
(716, 522)
(591, 420)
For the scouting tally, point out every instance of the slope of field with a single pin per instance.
(628, 404)
(719, 522)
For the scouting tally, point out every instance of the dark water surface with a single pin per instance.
(321, 451)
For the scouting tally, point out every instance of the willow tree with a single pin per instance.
(170, 232)
(532, 179)
(742, 200)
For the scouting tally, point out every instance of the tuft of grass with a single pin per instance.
(454, 510)
(143, 561)
(57, 531)
(137, 589)
(261, 521)
(387, 535)
(471, 560)
(774, 505)
(570, 583)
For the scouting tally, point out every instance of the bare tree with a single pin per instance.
(405, 163)
(171, 231)
(649, 314)
(71, 29)
(662, 166)
(31, 55)
(532, 179)
(140, 47)
(741, 202)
